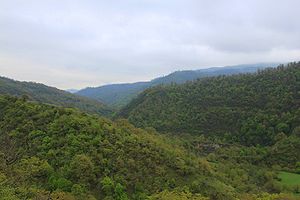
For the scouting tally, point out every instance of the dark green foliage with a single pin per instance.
(118, 95)
(50, 95)
(249, 108)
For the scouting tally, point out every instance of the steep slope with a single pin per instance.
(45, 94)
(249, 108)
(51, 151)
(118, 95)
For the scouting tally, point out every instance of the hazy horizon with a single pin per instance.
(77, 44)
(159, 76)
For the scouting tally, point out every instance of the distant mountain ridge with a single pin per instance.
(118, 95)
(50, 95)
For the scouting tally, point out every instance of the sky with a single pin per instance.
(80, 43)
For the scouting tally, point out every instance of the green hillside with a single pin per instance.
(52, 152)
(55, 149)
(50, 95)
(250, 109)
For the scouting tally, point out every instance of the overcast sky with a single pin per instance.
(79, 43)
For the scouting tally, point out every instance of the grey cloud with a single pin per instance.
(89, 43)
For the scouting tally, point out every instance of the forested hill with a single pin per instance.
(45, 94)
(49, 152)
(118, 95)
(249, 108)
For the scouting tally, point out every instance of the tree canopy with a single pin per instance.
(249, 108)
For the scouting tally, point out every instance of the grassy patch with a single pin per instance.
(289, 179)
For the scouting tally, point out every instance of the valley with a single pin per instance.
(216, 138)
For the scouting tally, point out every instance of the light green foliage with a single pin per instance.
(59, 183)
(57, 149)
(33, 169)
(7, 193)
(108, 186)
(120, 193)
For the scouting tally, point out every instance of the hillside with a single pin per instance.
(46, 149)
(57, 153)
(45, 94)
(118, 95)
(249, 108)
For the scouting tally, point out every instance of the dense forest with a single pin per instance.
(118, 95)
(149, 100)
(50, 95)
(50, 152)
(252, 109)
(231, 137)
